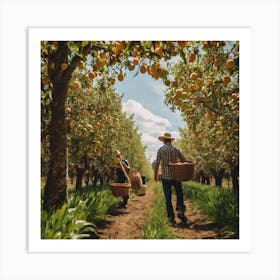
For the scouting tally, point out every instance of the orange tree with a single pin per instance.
(131, 147)
(60, 60)
(206, 91)
(96, 127)
(92, 124)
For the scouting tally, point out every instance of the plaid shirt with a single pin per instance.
(165, 155)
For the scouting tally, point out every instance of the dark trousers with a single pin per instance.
(126, 197)
(167, 189)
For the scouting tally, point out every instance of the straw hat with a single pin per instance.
(165, 136)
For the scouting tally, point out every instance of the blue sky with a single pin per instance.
(143, 96)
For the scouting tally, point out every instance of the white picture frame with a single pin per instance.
(259, 260)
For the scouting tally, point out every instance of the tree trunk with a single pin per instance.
(205, 178)
(96, 178)
(56, 186)
(80, 174)
(218, 175)
(235, 178)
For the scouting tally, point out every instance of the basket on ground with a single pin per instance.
(120, 189)
(182, 171)
(142, 190)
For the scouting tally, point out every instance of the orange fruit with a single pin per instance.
(217, 62)
(181, 44)
(205, 46)
(82, 114)
(76, 84)
(167, 83)
(159, 51)
(154, 68)
(136, 53)
(131, 67)
(80, 64)
(193, 76)
(100, 63)
(176, 100)
(157, 45)
(234, 96)
(170, 46)
(45, 80)
(210, 83)
(91, 75)
(120, 77)
(191, 57)
(115, 50)
(135, 61)
(63, 66)
(229, 63)
(185, 87)
(198, 81)
(226, 80)
(183, 95)
(112, 80)
(119, 45)
(178, 92)
(155, 75)
(102, 55)
(143, 68)
(193, 87)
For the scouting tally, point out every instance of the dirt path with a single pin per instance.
(127, 223)
(198, 225)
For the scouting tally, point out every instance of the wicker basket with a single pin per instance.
(136, 180)
(182, 171)
(120, 189)
(142, 190)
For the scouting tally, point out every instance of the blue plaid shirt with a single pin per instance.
(166, 154)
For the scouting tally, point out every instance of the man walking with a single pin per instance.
(166, 154)
(121, 176)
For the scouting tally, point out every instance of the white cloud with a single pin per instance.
(151, 126)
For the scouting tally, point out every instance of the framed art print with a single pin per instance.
(126, 87)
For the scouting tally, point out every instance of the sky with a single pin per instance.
(143, 97)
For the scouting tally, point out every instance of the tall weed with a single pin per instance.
(77, 219)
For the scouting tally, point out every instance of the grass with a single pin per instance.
(78, 218)
(156, 225)
(219, 204)
(85, 209)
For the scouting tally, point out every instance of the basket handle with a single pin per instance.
(125, 173)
